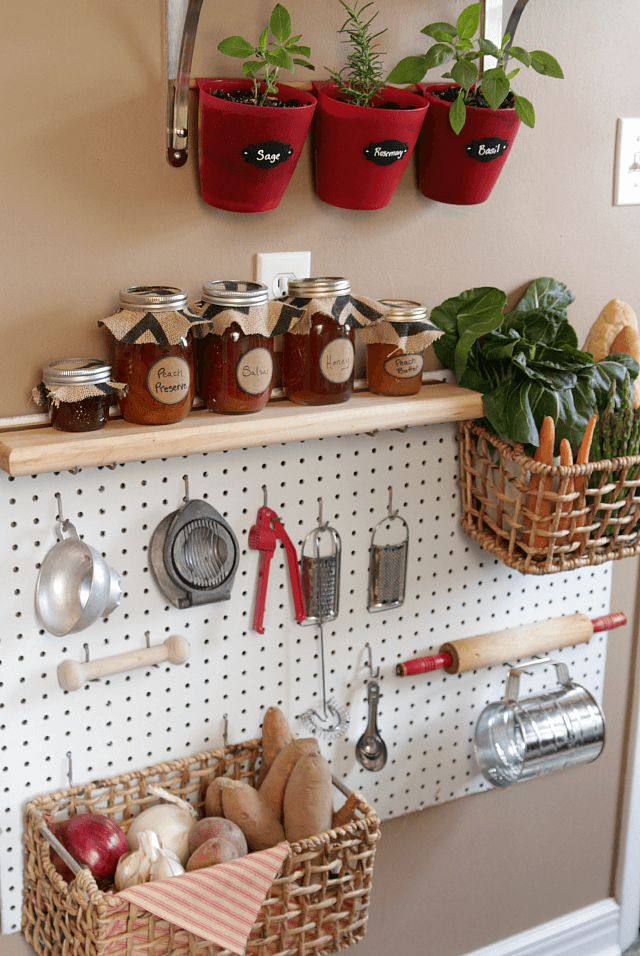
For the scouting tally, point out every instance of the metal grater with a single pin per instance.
(388, 566)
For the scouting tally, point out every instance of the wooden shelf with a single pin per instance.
(34, 450)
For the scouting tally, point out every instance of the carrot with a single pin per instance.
(566, 458)
(543, 453)
(581, 459)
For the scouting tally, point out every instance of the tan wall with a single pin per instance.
(90, 206)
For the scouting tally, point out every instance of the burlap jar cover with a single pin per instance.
(413, 335)
(47, 394)
(270, 319)
(348, 310)
(136, 327)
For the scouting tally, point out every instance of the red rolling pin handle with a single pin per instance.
(422, 665)
(433, 662)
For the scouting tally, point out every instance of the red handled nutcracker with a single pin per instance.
(263, 537)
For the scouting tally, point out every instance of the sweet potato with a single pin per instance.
(276, 734)
(308, 798)
(213, 799)
(245, 807)
(274, 785)
(346, 813)
(212, 852)
(210, 828)
(627, 341)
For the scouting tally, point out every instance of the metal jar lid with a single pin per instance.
(404, 310)
(76, 371)
(319, 288)
(153, 298)
(235, 292)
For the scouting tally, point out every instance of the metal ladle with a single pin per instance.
(371, 750)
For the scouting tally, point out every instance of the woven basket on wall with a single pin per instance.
(566, 526)
(317, 904)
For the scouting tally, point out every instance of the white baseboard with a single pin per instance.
(592, 931)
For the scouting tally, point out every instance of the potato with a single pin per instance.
(210, 828)
(308, 799)
(272, 790)
(276, 734)
(615, 316)
(213, 799)
(245, 807)
(210, 853)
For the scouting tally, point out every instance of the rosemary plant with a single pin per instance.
(361, 79)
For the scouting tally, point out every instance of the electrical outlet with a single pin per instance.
(274, 269)
(627, 176)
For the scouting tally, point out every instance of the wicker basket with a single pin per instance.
(317, 904)
(566, 525)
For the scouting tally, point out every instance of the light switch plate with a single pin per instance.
(274, 269)
(627, 173)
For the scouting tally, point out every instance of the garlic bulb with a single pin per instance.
(133, 868)
(165, 866)
(171, 821)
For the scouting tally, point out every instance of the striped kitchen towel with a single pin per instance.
(220, 903)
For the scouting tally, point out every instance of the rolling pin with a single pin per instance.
(72, 674)
(469, 653)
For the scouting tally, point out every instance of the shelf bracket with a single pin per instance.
(181, 26)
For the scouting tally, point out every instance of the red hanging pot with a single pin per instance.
(462, 169)
(247, 154)
(362, 151)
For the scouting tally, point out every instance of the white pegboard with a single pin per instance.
(454, 589)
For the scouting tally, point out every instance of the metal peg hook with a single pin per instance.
(69, 769)
(86, 660)
(185, 478)
(264, 496)
(322, 526)
(64, 522)
(391, 512)
(369, 662)
(225, 738)
(147, 638)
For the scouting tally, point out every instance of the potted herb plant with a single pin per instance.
(365, 131)
(251, 131)
(472, 122)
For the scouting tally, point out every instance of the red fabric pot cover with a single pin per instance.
(361, 152)
(234, 137)
(449, 168)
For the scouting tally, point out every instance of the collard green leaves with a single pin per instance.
(526, 362)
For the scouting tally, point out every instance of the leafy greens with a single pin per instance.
(526, 362)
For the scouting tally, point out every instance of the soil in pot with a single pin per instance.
(462, 169)
(361, 151)
(247, 153)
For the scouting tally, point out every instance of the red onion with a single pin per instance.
(93, 840)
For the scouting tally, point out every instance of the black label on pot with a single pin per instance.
(487, 149)
(387, 152)
(267, 155)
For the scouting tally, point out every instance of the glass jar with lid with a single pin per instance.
(395, 349)
(154, 354)
(318, 359)
(235, 358)
(78, 393)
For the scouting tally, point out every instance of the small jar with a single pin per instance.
(88, 413)
(160, 377)
(236, 368)
(391, 368)
(318, 366)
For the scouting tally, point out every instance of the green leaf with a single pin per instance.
(465, 73)
(298, 50)
(436, 55)
(525, 111)
(487, 46)
(442, 37)
(495, 86)
(508, 409)
(304, 63)
(280, 23)
(280, 58)
(264, 40)
(252, 67)
(465, 45)
(439, 27)
(457, 113)
(409, 70)
(236, 46)
(545, 293)
(469, 21)
(513, 73)
(519, 53)
(545, 63)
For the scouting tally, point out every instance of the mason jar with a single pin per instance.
(160, 376)
(88, 412)
(236, 367)
(318, 365)
(393, 369)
